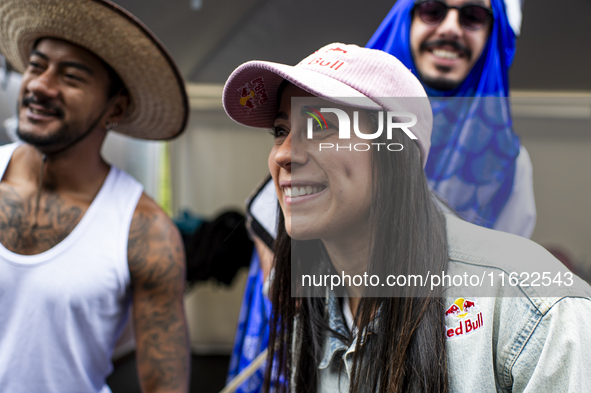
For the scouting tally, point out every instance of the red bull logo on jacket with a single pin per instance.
(468, 316)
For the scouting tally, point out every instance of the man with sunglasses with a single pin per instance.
(461, 50)
(446, 40)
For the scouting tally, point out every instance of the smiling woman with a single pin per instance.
(344, 230)
(365, 294)
(334, 203)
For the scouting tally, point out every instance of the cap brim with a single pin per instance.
(159, 105)
(262, 115)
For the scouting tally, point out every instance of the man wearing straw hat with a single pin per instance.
(79, 240)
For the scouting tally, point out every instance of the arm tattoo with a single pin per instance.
(156, 264)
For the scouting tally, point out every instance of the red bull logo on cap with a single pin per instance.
(327, 59)
(253, 93)
(333, 64)
(460, 310)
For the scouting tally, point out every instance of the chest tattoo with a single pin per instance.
(55, 222)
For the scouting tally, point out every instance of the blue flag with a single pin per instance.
(252, 333)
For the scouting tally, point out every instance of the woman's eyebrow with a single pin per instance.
(317, 107)
(281, 115)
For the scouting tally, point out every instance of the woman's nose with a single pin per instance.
(290, 153)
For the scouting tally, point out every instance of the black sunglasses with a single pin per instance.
(472, 16)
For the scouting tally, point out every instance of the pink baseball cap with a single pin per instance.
(336, 72)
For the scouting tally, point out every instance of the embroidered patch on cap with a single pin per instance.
(463, 317)
(253, 93)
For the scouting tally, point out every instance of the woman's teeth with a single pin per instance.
(445, 54)
(300, 191)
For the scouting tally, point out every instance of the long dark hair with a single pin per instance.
(407, 353)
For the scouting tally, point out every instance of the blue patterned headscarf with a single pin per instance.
(473, 148)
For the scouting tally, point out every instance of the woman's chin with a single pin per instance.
(302, 228)
(303, 237)
(303, 234)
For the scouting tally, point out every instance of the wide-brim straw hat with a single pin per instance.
(159, 107)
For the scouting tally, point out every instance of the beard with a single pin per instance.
(42, 142)
(440, 83)
(59, 140)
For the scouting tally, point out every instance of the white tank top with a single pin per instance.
(61, 311)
